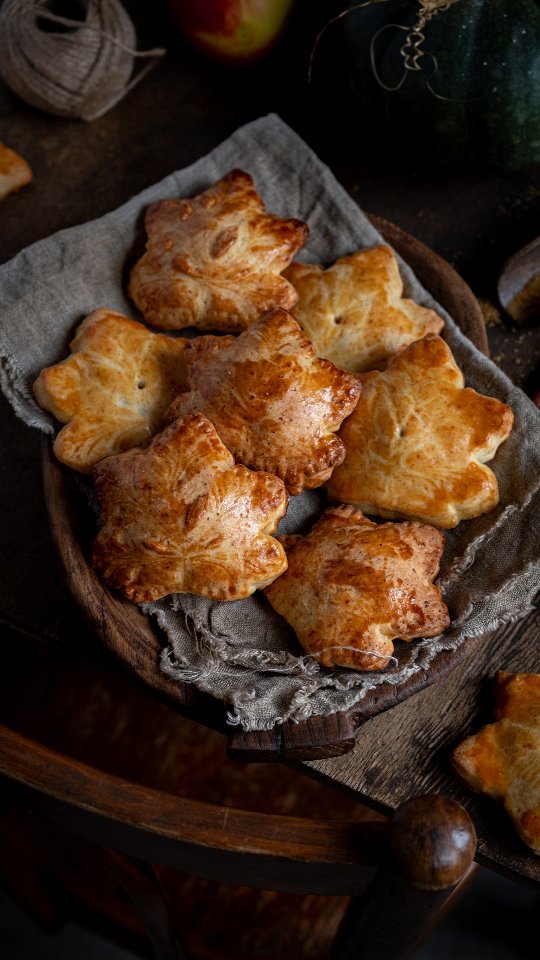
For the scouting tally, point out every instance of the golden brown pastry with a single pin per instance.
(417, 441)
(214, 261)
(14, 171)
(503, 758)
(354, 312)
(112, 391)
(353, 586)
(275, 405)
(181, 517)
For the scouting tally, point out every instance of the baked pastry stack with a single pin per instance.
(330, 377)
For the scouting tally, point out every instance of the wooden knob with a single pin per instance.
(433, 841)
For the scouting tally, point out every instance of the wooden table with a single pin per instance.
(474, 218)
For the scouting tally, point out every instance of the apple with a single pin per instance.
(233, 31)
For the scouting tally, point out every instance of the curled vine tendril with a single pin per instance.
(412, 51)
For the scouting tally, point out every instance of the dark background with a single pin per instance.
(475, 216)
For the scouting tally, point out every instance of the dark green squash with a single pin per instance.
(476, 95)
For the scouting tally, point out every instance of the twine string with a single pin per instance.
(78, 24)
(81, 72)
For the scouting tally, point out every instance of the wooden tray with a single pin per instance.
(134, 638)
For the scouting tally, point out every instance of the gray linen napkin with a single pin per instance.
(242, 652)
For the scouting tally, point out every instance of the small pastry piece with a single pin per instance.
(353, 586)
(112, 391)
(417, 441)
(14, 171)
(214, 261)
(274, 404)
(354, 312)
(503, 758)
(180, 517)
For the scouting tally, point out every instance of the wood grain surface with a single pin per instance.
(132, 637)
(407, 750)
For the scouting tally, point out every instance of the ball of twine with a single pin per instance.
(70, 66)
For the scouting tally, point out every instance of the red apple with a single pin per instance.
(231, 30)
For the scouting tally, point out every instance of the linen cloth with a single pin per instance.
(243, 652)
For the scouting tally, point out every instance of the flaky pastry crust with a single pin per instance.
(214, 261)
(502, 760)
(418, 441)
(275, 405)
(113, 390)
(14, 171)
(353, 586)
(181, 517)
(354, 312)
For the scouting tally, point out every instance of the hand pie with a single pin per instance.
(214, 261)
(112, 391)
(180, 517)
(354, 312)
(353, 586)
(503, 759)
(274, 404)
(14, 171)
(417, 441)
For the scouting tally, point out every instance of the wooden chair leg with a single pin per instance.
(144, 889)
(431, 845)
(19, 874)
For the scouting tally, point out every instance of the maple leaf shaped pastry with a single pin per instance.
(353, 586)
(181, 517)
(14, 171)
(354, 312)
(502, 760)
(418, 441)
(275, 405)
(214, 261)
(113, 390)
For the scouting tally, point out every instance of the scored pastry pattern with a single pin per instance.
(418, 440)
(215, 261)
(275, 405)
(354, 311)
(353, 586)
(113, 390)
(182, 517)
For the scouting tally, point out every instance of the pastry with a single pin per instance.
(181, 517)
(354, 312)
(275, 405)
(353, 586)
(14, 171)
(113, 389)
(418, 441)
(503, 758)
(214, 261)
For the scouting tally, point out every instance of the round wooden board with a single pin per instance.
(137, 642)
